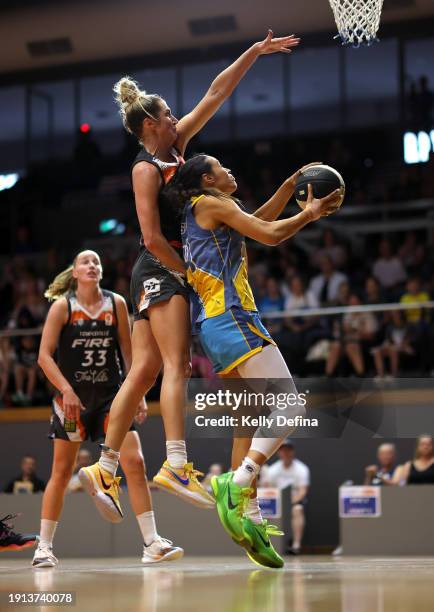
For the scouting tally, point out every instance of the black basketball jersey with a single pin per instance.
(88, 353)
(170, 222)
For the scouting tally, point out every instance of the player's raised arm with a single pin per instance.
(225, 83)
(272, 209)
(226, 211)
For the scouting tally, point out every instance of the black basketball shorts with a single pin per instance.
(92, 424)
(151, 283)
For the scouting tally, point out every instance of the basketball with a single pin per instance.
(324, 179)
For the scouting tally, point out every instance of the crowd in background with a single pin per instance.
(386, 268)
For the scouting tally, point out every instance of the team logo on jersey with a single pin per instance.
(80, 322)
(108, 318)
(152, 286)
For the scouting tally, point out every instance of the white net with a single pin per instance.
(357, 20)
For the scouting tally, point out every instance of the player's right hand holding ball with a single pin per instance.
(324, 206)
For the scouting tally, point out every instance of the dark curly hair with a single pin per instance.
(187, 182)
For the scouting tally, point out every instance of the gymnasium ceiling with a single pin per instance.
(104, 29)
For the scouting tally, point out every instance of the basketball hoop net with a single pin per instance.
(357, 20)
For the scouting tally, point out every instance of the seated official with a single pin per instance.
(27, 481)
(383, 472)
(290, 472)
(420, 471)
(84, 459)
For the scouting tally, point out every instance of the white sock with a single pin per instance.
(147, 526)
(246, 473)
(253, 511)
(48, 529)
(109, 461)
(176, 453)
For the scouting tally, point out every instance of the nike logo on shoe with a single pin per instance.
(231, 505)
(265, 542)
(181, 480)
(106, 486)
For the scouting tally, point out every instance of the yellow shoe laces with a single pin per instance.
(272, 529)
(191, 473)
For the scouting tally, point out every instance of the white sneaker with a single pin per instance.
(44, 557)
(161, 550)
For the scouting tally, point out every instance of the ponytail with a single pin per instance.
(61, 285)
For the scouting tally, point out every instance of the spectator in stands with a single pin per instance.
(26, 359)
(272, 299)
(26, 481)
(32, 299)
(382, 473)
(304, 330)
(325, 286)
(299, 297)
(388, 269)
(290, 472)
(7, 288)
(373, 294)
(397, 341)
(331, 249)
(351, 331)
(84, 459)
(4, 368)
(407, 251)
(421, 469)
(413, 295)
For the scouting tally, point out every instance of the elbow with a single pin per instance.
(41, 361)
(274, 238)
(149, 240)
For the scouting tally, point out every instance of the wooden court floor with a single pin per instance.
(306, 584)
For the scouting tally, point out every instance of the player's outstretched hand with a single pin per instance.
(72, 405)
(142, 412)
(293, 179)
(322, 207)
(284, 44)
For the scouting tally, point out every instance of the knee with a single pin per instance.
(134, 466)
(297, 511)
(177, 365)
(61, 474)
(143, 373)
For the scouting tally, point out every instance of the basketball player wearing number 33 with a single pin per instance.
(85, 325)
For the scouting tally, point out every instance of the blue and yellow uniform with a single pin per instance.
(224, 312)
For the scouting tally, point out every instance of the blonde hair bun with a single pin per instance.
(127, 91)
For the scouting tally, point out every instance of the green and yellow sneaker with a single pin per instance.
(231, 501)
(260, 550)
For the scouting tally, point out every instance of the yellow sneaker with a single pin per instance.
(183, 482)
(104, 489)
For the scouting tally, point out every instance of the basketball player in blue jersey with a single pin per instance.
(224, 315)
(161, 331)
(85, 326)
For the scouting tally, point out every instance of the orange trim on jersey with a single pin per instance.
(80, 315)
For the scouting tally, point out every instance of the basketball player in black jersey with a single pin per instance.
(89, 329)
(161, 332)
